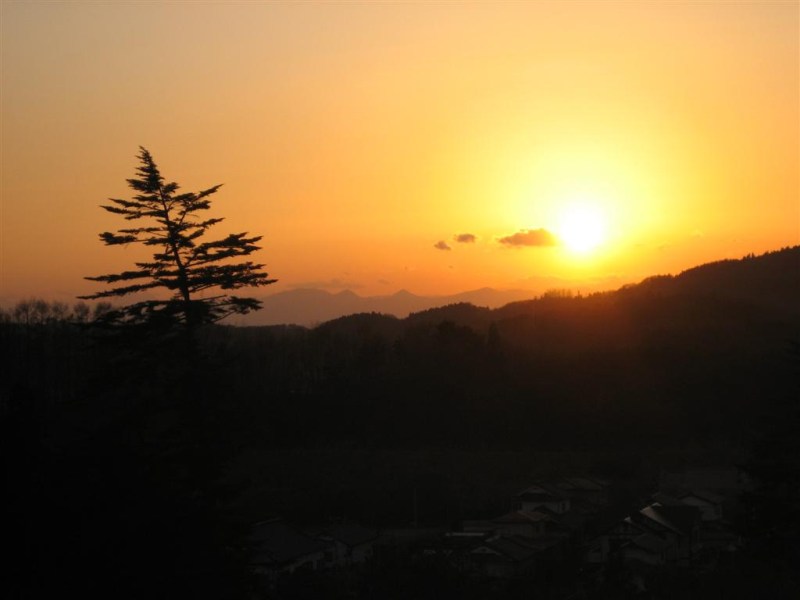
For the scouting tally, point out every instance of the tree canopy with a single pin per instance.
(183, 262)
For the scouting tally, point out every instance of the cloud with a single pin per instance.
(465, 238)
(441, 245)
(529, 237)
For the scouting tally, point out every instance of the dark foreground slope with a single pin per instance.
(133, 469)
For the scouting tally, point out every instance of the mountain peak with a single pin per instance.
(347, 294)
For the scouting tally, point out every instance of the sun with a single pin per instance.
(581, 227)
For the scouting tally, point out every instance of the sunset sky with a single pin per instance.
(592, 142)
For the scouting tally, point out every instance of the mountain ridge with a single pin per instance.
(771, 280)
(312, 306)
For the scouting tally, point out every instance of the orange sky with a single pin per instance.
(354, 137)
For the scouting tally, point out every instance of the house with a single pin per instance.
(624, 531)
(717, 536)
(542, 496)
(278, 548)
(677, 525)
(708, 503)
(478, 526)
(645, 548)
(455, 542)
(572, 523)
(728, 481)
(522, 523)
(512, 556)
(665, 499)
(528, 524)
(586, 490)
(454, 547)
(352, 543)
(503, 558)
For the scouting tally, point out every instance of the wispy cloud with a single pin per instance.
(529, 237)
(465, 238)
(441, 245)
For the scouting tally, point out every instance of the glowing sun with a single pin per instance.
(581, 228)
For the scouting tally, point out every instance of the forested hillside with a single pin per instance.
(109, 438)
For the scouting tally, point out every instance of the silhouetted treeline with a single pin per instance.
(645, 364)
(113, 453)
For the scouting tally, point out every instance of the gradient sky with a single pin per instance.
(355, 137)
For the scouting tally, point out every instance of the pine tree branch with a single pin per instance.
(121, 291)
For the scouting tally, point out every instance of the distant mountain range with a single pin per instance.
(771, 281)
(313, 306)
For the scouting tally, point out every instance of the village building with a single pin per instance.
(279, 548)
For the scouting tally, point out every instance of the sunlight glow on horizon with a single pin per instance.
(353, 137)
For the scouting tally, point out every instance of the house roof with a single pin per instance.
(705, 495)
(665, 499)
(522, 516)
(582, 484)
(684, 517)
(678, 519)
(277, 542)
(511, 548)
(573, 521)
(462, 539)
(350, 534)
(650, 513)
(629, 522)
(521, 548)
(542, 542)
(542, 493)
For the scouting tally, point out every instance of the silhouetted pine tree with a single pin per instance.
(174, 423)
(183, 264)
